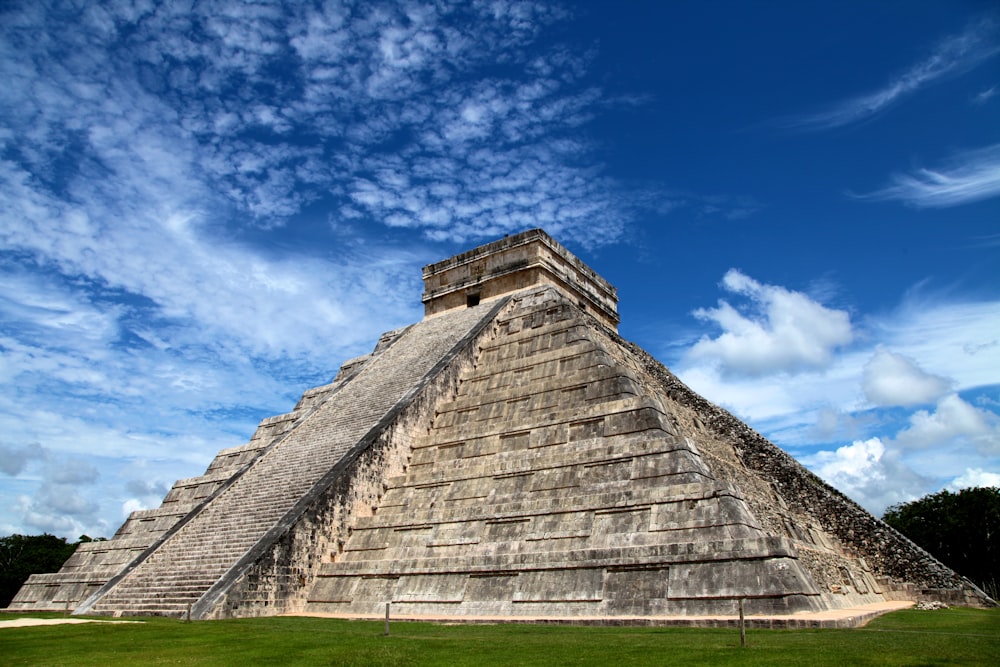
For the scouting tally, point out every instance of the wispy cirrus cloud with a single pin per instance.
(952, 56)
(196, 204)
(266, 108)
(985, 95)
(967, 177)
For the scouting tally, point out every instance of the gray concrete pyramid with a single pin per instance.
(508, 456)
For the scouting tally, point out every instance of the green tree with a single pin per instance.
(23, 555)
(962, 530)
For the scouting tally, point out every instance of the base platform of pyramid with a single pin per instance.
(508, 457)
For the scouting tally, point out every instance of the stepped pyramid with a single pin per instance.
(508, 456)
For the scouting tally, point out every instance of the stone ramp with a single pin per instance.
(208, 550)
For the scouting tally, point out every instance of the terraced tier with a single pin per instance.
(552, 485)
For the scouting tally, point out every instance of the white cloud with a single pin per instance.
(953, 340)
(778, 331)
(968, 177)
(857, 460)
(975, 478)
(893, 379)
(162, 165)
(954, 55)
(985, 95)
(869, 472)
(951, 420)
(916, 354)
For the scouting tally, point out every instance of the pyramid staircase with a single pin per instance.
(93, 564)
(210, 550)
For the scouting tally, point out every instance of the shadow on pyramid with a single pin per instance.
(508, 457)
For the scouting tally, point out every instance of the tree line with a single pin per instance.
(23, 555)
(962, 530)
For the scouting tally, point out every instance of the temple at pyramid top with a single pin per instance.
(514, 263)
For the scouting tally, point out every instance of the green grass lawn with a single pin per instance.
(910, 637)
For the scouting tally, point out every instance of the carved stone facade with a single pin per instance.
(509, 456)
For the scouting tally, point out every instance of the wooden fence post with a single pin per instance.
(743, 627)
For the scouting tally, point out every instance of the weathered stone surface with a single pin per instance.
(508, 456)
(607, 510)
(512, 264)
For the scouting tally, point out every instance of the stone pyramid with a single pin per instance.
(508, 456)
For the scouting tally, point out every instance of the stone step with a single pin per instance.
(563, 335)
(154, 590)
(473, 547)
(161, 592)
(609, 411)
(537, 459)
(515, 335)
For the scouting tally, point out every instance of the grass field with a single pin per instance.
(910, 637)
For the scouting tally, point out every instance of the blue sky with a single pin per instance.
(206, 207)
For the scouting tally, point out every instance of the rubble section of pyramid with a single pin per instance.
(846, 550)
